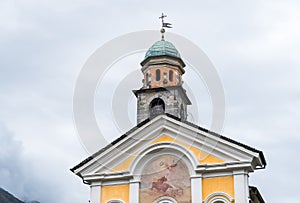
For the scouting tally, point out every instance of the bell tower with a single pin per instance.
(162, 90)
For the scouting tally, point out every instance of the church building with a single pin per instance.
(165, 158)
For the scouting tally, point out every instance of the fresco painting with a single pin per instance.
(165, 176)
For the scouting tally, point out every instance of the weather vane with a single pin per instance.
(164, 25)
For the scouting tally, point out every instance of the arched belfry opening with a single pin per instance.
(156, 107)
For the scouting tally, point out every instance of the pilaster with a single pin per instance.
(241, 187)
(95, 193)
(196, 189)
(134, 191)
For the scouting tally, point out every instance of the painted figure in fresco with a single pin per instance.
(170, 168)
(159, 184)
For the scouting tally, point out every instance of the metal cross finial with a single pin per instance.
(164, 25)
(162, 18)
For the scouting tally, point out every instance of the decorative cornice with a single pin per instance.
(229, 166)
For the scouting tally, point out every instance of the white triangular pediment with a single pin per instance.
(185, 138)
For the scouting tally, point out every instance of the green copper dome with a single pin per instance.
(162, 48)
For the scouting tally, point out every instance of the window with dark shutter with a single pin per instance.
(157, 75)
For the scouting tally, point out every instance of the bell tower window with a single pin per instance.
(171, 76)
(157, 75)
(157, 106)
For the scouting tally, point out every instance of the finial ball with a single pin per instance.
(162, 30)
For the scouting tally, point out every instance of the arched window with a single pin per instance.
(157, 106)
(170, 75)
(157, 75)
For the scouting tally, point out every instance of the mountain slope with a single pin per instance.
(6, 197)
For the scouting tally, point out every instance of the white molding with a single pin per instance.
(217, 174)
(90, 178)
(229, 166)
(211, 199)
(135, 180)
(240, 172)
(96, 183)
(116, 182)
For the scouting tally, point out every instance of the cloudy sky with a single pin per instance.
(254, 45)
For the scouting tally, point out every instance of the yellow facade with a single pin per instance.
(124, 165)
(217, 184)
(115, 192)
